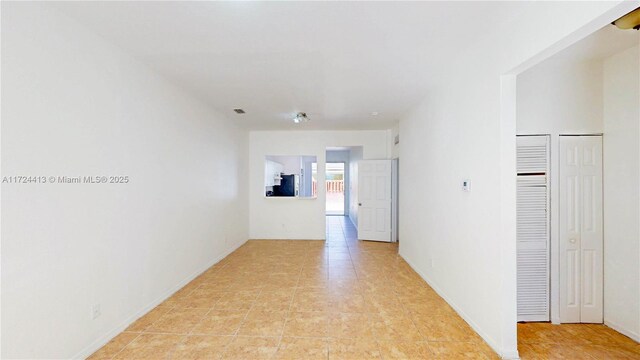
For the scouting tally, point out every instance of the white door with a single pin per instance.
(581, 236)
(374, 200)
(532, 239)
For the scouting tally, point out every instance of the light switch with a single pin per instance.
(466, 185)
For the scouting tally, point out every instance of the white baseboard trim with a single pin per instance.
(288, 239)
(353, 222)
(510, 355)
(623, 331)
(506, 355)
(104, 339)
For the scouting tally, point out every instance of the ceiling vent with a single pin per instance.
(239, 111)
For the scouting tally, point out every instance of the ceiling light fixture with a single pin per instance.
(300, 118)
(629, 21)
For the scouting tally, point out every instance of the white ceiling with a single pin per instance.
(336, 61)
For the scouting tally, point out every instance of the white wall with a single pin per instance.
(294, 218)
(355, 155)
(343, 156)
(464, 243)
(74, 105)
(306, 163)
(622, 192)
(559, 98)
(395, 148)
(290, 164)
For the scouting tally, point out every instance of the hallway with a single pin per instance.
(339, 299)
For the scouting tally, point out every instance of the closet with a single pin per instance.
(580, 230)
(533, 227)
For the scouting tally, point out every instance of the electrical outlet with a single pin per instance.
(95, 311)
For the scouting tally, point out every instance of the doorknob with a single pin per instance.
(572, 240)
(359, 204)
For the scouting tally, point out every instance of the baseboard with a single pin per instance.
(353, 222)
(506, 355)
(286, 239)
(510, 355)
(100, 342)
(623, 331)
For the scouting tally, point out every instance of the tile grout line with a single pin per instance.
(295, 290)
(368, 314)
(143, 330)
(204, 316)
(184, 337)
(235, 334)
(127, 344)
(329, 268)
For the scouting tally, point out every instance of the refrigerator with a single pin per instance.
(288, 186)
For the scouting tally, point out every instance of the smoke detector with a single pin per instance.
(300, 118)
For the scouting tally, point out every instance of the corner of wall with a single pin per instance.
(103, 340)
(507, 354)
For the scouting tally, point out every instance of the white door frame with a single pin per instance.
(395, 190)
(345, 178)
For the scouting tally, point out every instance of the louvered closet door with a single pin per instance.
(533, 227)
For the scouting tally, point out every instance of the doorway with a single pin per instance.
(588, 106)
(335, 188)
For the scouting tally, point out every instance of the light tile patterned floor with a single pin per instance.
(339, 299)
(574, 341)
